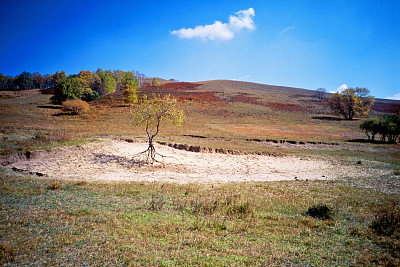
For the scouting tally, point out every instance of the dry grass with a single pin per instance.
(166, 224)
(152, 224)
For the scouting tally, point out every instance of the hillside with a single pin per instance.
(220, 110)
(265, 171)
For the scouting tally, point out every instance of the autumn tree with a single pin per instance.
(130, 77)
(90, 85)
(130, 95)
(58, 76)
(152, 113)
(352, 102)
(119, 77)
(38, 80)
(107, 80)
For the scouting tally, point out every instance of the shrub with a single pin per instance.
(54, 185)
(155, 82)
(90, 95)
(156, 203)
(387, 221)
(75, 107)
(322, 212)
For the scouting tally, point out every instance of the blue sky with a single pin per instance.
(300, 43)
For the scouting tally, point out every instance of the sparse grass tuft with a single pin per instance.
(156, 202)
(54, 185)
(387, 221)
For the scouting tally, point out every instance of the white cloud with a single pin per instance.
(289, 28)
(395, 97)
(340, 89)
(242, 19)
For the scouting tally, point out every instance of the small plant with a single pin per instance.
(75, 107)
(155, 82)
(387, 221)
(322, 212)
(156, 202)
(54, 185)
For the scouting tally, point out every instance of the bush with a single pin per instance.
(67, 89)
(89, 95)
(322, 212)
(155, 82)
(387, 221)
(75, 107)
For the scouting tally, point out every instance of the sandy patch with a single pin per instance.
(112, 160)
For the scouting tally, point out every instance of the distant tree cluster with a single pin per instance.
(388, 127)
(86, 85)
(26, 80)
(352, 102)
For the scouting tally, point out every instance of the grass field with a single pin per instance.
(57, 222)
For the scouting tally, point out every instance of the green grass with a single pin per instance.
(158, 224)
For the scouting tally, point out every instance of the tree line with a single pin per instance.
(86, 85)
(35, 80)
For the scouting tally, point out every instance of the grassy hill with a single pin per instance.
(227, 113)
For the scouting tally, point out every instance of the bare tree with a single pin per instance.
(140, 77)
(321, 93)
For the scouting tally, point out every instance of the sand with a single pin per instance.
(112, 159)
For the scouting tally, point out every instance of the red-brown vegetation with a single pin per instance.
(48, 91)
(386, 107)
(183, 91)
(285, 106)
(75, 106)
(244, 98)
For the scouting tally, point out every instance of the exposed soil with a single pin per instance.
(110, 159)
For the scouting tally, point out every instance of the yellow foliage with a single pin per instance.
(352, 102)
(155, 82)
(130, 95)
(153, 111)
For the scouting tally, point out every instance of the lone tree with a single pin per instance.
(321, 94)
(152, 112)
(155, 82)
(352, 102)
